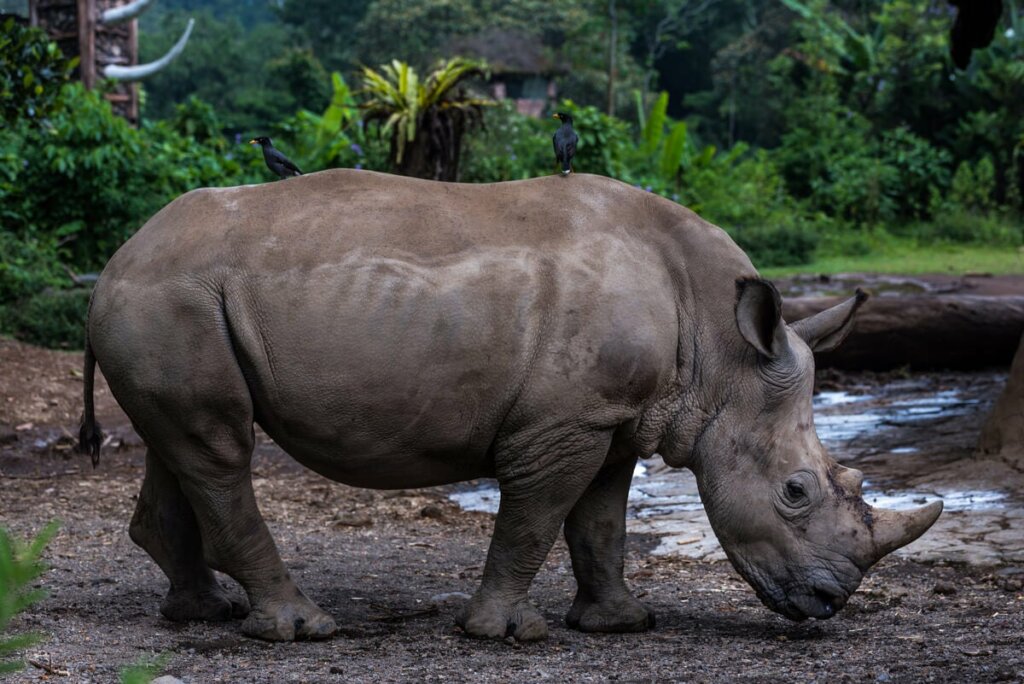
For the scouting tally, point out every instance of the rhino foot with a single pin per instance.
(288, 621)
(497, 620)
(623, 615)
(211, 604)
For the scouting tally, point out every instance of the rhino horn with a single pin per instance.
(138, 72)
(893, 529)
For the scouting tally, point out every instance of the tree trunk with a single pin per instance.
(924, 332)
(1003, 433)
(435, 151)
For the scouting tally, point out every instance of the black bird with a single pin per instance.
(276, 162)
(565, 140)
(975, 26)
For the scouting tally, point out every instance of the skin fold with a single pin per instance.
(389, 332)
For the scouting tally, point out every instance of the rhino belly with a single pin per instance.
(384, 373)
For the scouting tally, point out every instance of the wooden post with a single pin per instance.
(87, 41)
(133, 88)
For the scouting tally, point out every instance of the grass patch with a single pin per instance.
(908, 257)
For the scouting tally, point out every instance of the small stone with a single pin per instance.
(7, 435)
(351, 520)
(449, 597)
(167, 679)
(432, 511)
(336, 670)
(944, 588)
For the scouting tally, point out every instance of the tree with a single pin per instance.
(330, 26)
(32, 71)
(425, 120)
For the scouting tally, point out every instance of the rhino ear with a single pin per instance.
(759, 316)
(826, 330)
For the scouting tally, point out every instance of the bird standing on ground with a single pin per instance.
(565, 140)
(276, 162)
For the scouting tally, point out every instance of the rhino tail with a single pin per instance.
(90, 435)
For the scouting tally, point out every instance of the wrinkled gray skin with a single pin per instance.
(390, 332)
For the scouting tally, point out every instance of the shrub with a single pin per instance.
(53, 318)
(510, 146)
(959, 226)
(781, 244)
(29, 266)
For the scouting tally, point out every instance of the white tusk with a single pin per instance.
(138, 72)
(115, 15)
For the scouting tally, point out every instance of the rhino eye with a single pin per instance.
(795, 492)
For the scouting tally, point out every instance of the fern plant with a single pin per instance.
(19, 566)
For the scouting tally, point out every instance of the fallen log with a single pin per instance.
(961, 332)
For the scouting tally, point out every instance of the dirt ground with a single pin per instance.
(393, 567)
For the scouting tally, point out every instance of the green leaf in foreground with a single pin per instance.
(19, 566)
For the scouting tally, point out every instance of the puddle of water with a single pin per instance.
(667, 502)
(968, 500)
(823, 399)
(836, 428)
(483, 498)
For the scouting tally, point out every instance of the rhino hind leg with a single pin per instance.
(201, 428)
(165, 526)
(596, 534)
(217, 481)
(533, 506)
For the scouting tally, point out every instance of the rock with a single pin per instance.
(351, 520)
(7, 435)
(167, 679)
(432, 511)
(944, 588)
(450, 597)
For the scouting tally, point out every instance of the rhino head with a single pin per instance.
(790, 518)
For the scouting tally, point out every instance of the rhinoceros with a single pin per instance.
(390, 332)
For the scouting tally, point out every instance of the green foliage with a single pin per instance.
(428, 116)
(88, 180)
(32, 71)
(328, 140)
(331, 27)
(145, 670)
(52, 318)
(974, 186)
(29, 265)
(20, 566)
(745, 194)
(252, 78)
(961, 227)
(509, 146)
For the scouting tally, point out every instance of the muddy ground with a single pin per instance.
(382, 563)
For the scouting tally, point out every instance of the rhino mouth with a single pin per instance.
(820, 604)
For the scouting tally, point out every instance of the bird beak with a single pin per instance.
(555, 116)
(253, 142)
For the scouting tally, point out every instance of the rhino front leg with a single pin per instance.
(165, 526)
(596, 533)
(533, 506)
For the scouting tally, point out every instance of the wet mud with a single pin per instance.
(395, 567)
